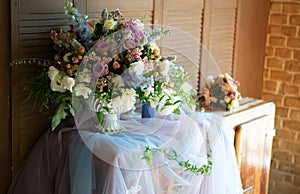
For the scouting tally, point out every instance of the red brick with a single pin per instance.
(267, 74)
(290, 124)
(278, 121)
(283, 30)
(297, 54)
(295, 114)
(294, 20)
(275, 143)
(275, 7)
(297, 79)
(292, 102)
(286, 134)
(297, 181)
(297, 159)
(270, 86)
(277, 41)
(284, 187)
(278, 19)
(285, 167)
(296, 168)
(282, 112)
(290, 8)
(274, 163)
(293, 147)
(293, 66)
(291, 90)
(283, 53)
(269, 51)
(283, 156)
(293, 42)
(277, 99)
(281, 75)
(280, 176)
(275, 63)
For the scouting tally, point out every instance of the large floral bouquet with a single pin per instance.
(112, 62)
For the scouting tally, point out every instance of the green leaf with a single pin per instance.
(60, 114)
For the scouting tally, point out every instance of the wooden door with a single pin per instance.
(253, 142)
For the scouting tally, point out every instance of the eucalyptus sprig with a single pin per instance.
(174, 156)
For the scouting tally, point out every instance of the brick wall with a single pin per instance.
(282, 85)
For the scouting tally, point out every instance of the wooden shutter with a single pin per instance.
(32, 21)
(129, 8)
(184, 19)
(219, 35)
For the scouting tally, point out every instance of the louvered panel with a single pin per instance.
(27, 123)
(221, 36)
(185, 22)
(32, 21)
(124, 5)
(127, 16)
(129, 8)
(35, 33)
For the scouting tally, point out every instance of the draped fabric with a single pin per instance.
(76, 159)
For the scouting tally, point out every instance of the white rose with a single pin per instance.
(118, 81)
(68, 83)
(165, 67)
(82, 90)
(138, 24)
(57, 83)
(52, 72)
(137, 67)
(186, 87)
(123, 103)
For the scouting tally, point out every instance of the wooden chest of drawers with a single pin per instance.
(252, 133)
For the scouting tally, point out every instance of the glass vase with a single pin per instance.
(110, 125)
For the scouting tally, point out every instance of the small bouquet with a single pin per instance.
(222, 90)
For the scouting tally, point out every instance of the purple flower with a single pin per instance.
(99, 70)
(103, 45)
(130, 44)
(130, 26)
(138, 34)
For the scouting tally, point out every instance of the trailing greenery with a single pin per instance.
(174, 156)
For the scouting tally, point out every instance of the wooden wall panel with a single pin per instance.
(185, 23)
(27, 122)
(32, 21)
(219, 35)
(5, 174)
(250, 45)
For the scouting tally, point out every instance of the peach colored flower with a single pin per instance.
(81, 49)
(75, 60)
(116, 65)
(69, 71)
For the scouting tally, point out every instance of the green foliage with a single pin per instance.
(44, 98)
(174, 156)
